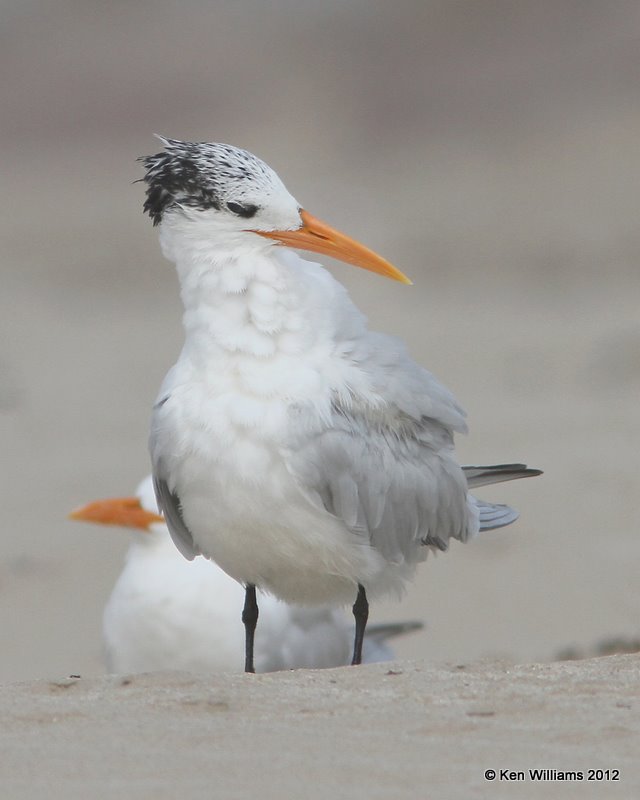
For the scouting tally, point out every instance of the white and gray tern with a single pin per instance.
(305, 454)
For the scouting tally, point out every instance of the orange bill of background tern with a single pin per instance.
(305, 454)
(167, 613)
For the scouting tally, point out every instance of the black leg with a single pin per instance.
(250, 619)
(361, 614)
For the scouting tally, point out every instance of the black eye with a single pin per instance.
(245, 211)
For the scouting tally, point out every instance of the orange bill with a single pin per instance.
(318, 237)
(125, 512)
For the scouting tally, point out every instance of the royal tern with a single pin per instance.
(167, 613)
(303, 453)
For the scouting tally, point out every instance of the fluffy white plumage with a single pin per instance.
(302, 452)
(166, 613)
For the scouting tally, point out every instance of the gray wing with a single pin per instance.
(493, 515)
(497, 473)
(168, 501)
(391, 478)
(390, 630)
(376, 647)
(169, 504)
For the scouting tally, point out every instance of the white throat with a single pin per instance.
(250, 298)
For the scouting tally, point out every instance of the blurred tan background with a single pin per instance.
(489, 149)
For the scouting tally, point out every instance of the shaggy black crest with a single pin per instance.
(201, 175)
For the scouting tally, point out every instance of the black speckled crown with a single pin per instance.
(201, 175)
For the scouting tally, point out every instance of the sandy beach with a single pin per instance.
(402, 730)
(490, 151)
